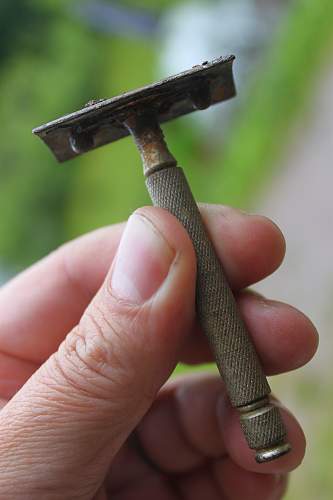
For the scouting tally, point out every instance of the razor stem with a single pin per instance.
(217, 311)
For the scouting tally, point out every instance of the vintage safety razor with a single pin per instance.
(140, 113)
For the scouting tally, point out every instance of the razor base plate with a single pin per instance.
(101, 122)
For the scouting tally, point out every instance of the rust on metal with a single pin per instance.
(140, 113)
(102, 121)
(149, 138)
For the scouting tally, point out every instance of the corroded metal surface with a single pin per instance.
(140, 114)
(149, 139)
(102, 121)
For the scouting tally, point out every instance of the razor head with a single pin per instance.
(102, 122)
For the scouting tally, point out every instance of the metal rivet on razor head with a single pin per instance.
(81, 142)
(201, 96)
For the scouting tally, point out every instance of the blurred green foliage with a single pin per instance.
(18, 20)
(51, 64)
(278, 95)
(38, 81)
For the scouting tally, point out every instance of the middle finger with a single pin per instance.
(284, 337)
(199, 424)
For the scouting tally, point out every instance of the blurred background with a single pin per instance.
(267, 151)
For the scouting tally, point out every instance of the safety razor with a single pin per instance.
(139, 113)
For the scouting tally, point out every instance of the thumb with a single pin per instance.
(62, 430)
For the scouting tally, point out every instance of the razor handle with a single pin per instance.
(218, 314)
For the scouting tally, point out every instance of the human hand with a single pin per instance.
(89, 416)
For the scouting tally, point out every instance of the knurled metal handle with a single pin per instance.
(218, 314)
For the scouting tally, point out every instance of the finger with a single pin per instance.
(200, 484)
(244, 457)
(13, 374)
(199, 424)
(186, 411)
(223, 479)
(63, 429)
(57, 290)
(132, 477)
(284, 337)
(239, 484)
(250, 247)
(152, 488)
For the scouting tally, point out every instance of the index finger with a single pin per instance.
(44, 303)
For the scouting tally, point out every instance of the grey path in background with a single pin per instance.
(300, 200)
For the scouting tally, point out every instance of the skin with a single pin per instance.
(88, 340)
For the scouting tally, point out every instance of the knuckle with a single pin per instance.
(101, 356)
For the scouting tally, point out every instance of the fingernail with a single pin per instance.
(143, 261)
